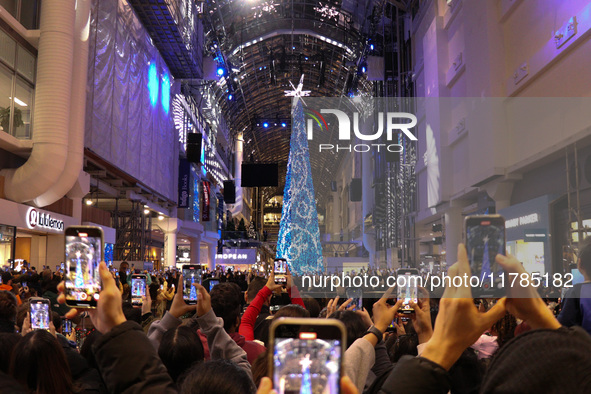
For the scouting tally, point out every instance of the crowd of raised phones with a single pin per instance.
(518, 344)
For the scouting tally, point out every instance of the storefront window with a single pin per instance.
(17, 89)
(6, 245)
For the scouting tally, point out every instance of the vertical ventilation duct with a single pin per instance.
(75, 157)
(52, 106)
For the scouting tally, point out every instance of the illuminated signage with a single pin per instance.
(522, 220)
(236, 256)
(41, 220)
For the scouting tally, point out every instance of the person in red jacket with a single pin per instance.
(250, 315)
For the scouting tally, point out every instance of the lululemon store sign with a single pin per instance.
(39, 220)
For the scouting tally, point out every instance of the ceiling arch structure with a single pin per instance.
(264, 45)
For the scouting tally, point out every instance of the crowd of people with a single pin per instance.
(520, 343)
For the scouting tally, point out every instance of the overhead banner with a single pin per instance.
(205, 201)
(184, 178)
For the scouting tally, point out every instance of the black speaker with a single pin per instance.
(355, 189)
(229, 192)
(260, 174)
(333, 186)
(194, 141)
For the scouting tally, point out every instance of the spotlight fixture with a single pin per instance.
(89, 201)
(160, 217)
(146, 211)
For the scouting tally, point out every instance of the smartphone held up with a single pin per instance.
(306, 355)
(191, 275)
(280, 271)
(138, 289)
(484, 239)
(40, 313)
(407, 283)
(84, 252)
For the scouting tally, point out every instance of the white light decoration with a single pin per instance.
(298, 91)
(327, 11)
(265, 7)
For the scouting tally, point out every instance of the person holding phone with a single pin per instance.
(523, 365)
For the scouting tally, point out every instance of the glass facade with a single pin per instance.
(17, 87)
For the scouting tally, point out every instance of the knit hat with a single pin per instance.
(542, 361)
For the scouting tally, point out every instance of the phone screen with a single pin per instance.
(307, 358)
(191, 275)
(357, 295)
(138, 289)
(407, 288)
(67, 326)
(485, 238)
(39, 313)
(280, 269)
(83, 256)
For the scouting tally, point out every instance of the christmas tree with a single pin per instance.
(299, 235)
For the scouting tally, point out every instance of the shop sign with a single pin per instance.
(184, 179)
(522, 220)
(39, 219)
(236, 256)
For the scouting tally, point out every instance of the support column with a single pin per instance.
(195, 250)
(169, 228)
(453, 233)
(212, 252)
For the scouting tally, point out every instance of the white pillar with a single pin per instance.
(169, 228)
(453, 233)
(212, 252)
(195, 250)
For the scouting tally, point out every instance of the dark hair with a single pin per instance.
(6, 277)
(7, 342)
(225, 302)
(39, 362)
(7, 306)
(217, 377)
(403, 345)
(131, 313)
(260, 367)
(153, 289)
(505, 329)
(254, 287)
(291, 310)
(312, 305)
(56, 320)
(584, 256)
(354, 324)
(179, 349)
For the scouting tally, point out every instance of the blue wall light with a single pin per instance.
(266, 124)
(153, 84)
(165, 92)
